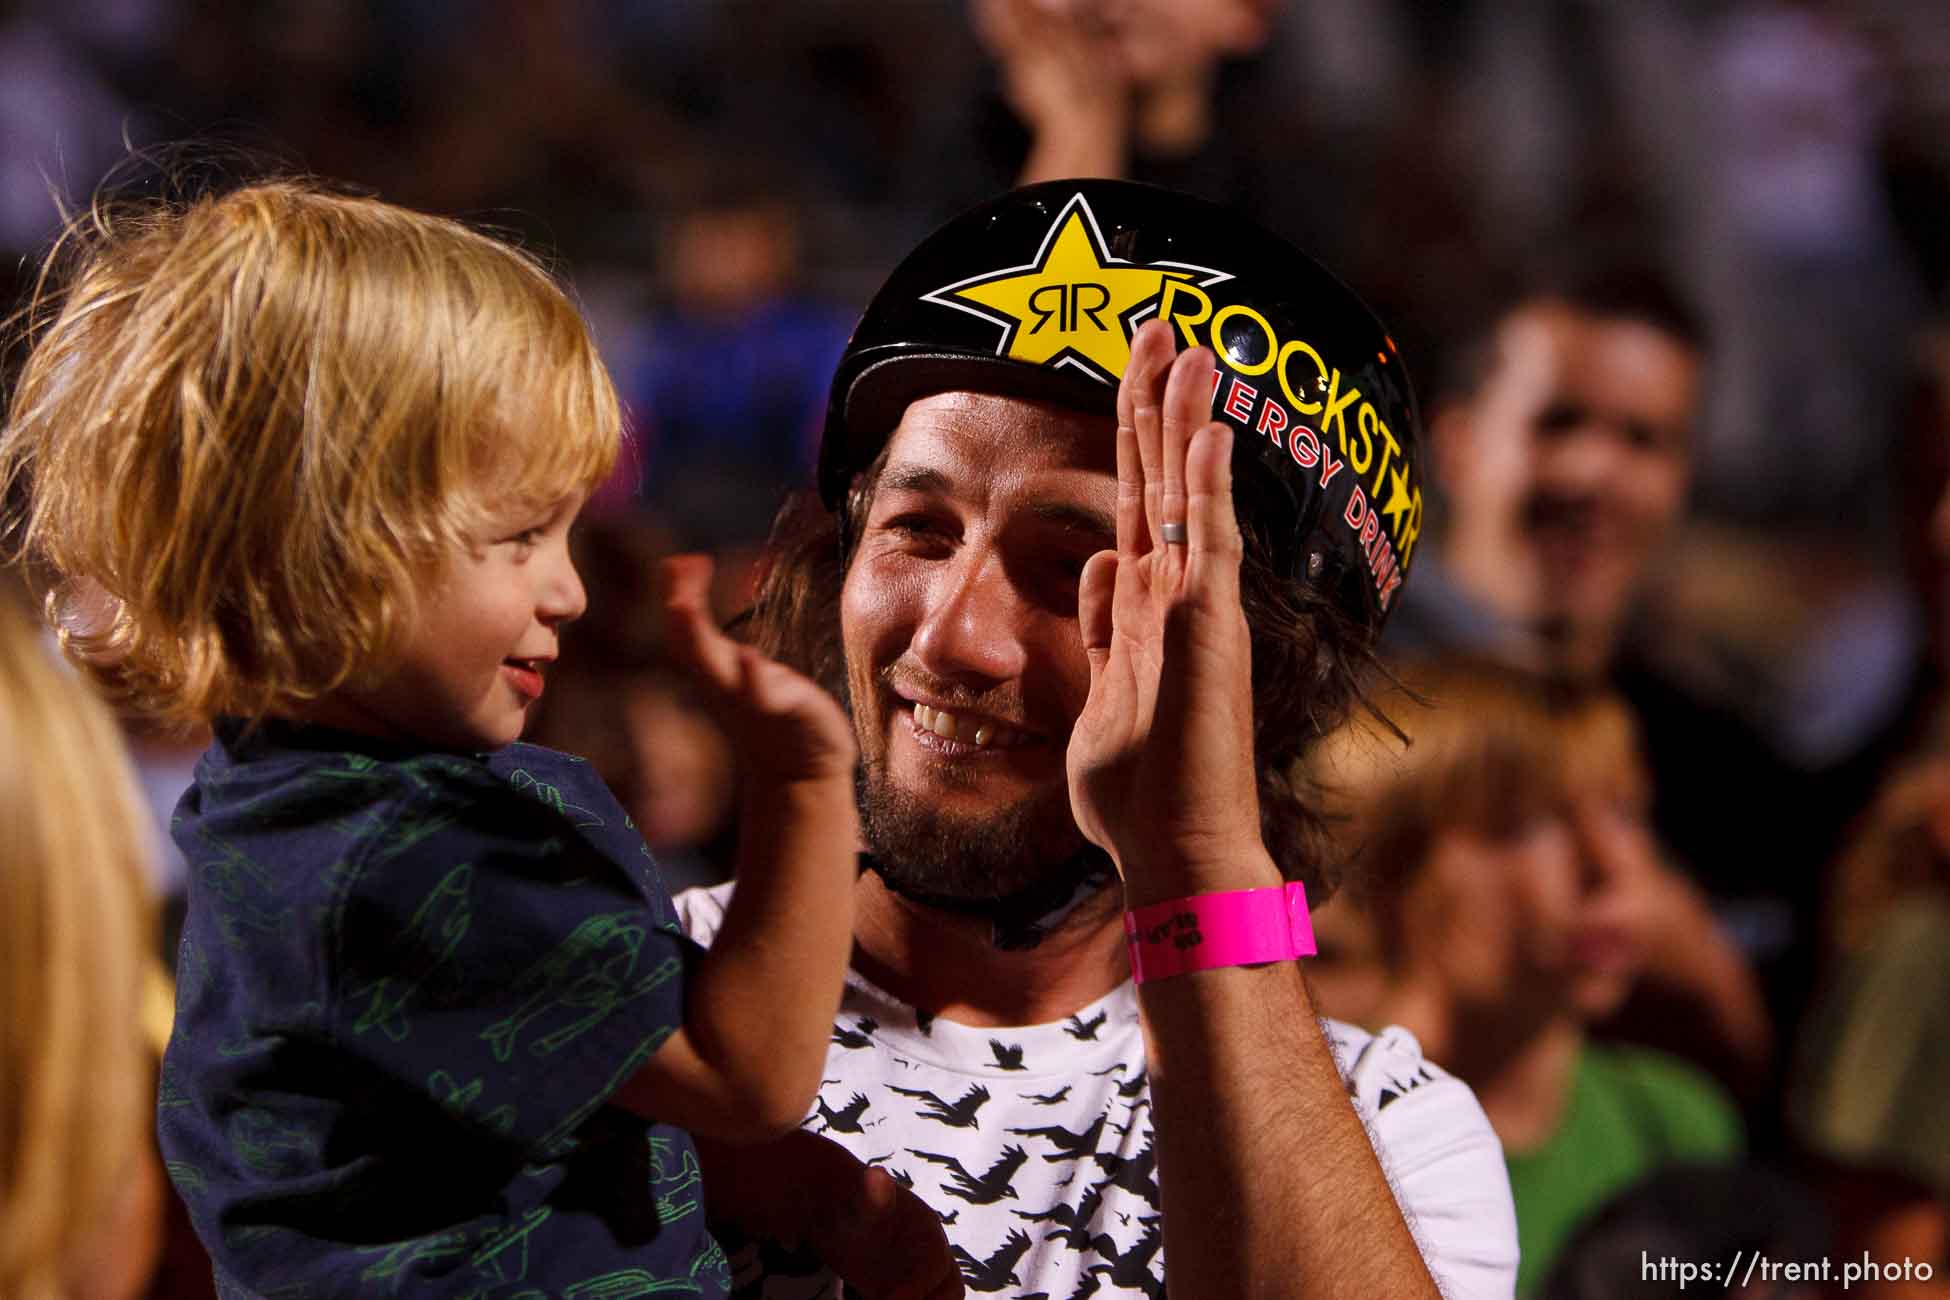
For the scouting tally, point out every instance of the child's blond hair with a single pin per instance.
(256, 423)
(76, 1102)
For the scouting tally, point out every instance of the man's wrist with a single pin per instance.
(1159, 876)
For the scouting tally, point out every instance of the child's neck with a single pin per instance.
(342, 711)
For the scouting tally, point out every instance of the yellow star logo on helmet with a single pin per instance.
(1074, 304)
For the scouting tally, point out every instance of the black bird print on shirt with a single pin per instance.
(959, 1115)
(1052, 1099)
(1073, 1221)
(859, 1036)
(1136, 1084)
(1086, 1030)
(1401, 1088)
(1131, 1268)
(1069, 1146)
(843, 1121)
(1132, 1173)
(1092, 1283)
(990, 1187)
(999, 1269)
(1007, 1056)
(924, 1021)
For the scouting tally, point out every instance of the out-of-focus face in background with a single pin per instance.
(1565, 467)
(1503, 862)
(1621, 871)
(1544, 917)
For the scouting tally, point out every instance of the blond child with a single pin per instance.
(80, 1189)
(304, 466)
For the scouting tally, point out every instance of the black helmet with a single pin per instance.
(1036, 294)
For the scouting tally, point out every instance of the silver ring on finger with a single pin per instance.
(1174, 534)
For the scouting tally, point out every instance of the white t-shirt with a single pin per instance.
(1034, 1144)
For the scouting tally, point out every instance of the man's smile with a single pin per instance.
(954, 730)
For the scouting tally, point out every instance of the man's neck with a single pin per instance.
(1528, 636)
(948, 964)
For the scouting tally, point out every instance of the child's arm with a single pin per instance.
(758, 1008)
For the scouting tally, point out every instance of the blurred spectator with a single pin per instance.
(731, 388)
(1810, 291)
(1515, 900)
(1563, 442)
(1695, 1213)
(1913, 721)
(1868, 1097)
(1102, 89)
(81, 1199)
(1273, 109)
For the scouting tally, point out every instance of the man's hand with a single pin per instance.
(1161, 765)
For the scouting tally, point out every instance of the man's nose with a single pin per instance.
(971, 630)
(1585, 458)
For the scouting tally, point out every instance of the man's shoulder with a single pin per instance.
(1386, 1067)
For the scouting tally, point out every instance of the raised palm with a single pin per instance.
(1161, 759)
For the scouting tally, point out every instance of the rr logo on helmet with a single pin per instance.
(1073, 304)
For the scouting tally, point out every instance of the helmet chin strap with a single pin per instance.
(1023, 919)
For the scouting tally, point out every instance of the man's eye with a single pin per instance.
(527, 537)
(911, 526)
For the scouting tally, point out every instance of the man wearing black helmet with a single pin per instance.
(1079, 680)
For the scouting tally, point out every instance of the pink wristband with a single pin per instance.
(1205, 931)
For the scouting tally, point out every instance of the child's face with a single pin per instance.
(473, 664)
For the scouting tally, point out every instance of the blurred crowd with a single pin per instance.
(1665, 871)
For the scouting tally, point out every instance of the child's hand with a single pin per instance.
(879, 1238)
(785, 727)
(890, 1245)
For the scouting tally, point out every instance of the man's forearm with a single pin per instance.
(1270, 1186)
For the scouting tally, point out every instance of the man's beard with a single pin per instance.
(1024, 866)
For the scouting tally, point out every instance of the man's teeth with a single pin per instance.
(983, 735)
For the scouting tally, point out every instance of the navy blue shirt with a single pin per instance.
(409, 983)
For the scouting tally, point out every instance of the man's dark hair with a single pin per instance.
(1309, 658)
(1610, 281)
